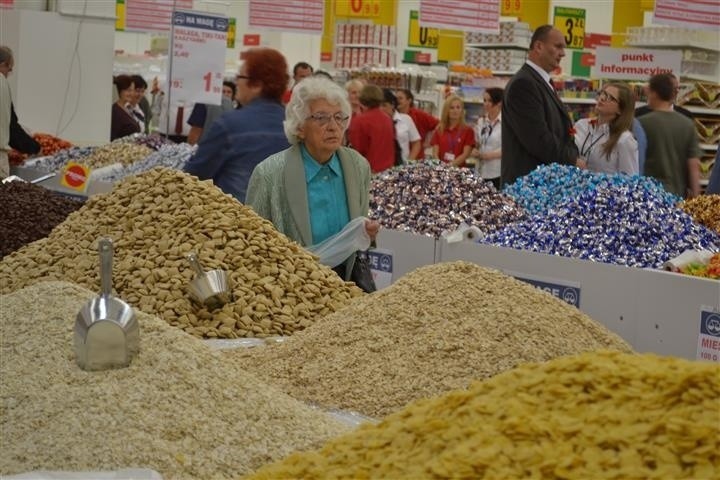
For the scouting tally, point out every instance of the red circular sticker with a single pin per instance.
(75, 176)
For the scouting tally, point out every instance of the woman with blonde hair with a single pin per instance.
(453, 139)
(353, 88)
(606, 143)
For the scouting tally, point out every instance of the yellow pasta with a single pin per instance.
(600, 415)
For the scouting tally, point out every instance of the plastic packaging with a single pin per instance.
(336, 249)
(123, 474)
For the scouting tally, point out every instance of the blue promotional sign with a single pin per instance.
(566, 291)
(708, 347)
(381, 265)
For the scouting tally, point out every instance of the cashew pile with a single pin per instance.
(155, 220)
(595, 415)
(179, 408)
(437, 328)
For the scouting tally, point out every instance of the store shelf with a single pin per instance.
(503, 73)
(516, 46)
(577, 100)
(364, 45)
(709, 146)
(697, 46)
(696, 109)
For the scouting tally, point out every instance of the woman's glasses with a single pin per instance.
(606, 97)
(323, 119)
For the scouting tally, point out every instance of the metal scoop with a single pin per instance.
(212, 288)
(107, 334)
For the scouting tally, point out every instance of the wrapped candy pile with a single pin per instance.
(170, 155)
(49, 145)
(61, 158)
(431, 199)
(153, 141)
(625, 225)
(550, 185)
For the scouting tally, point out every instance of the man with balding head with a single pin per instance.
(536, 126)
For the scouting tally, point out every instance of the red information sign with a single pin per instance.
(152, 15)
(593, 40)
(251, 40)
(295, 15)
(467, 15)
(6, 3)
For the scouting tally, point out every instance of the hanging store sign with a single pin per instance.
(305, 16)
(147, 15)
(708, 347)
(634, 63)
(359, 8)
(467, 15)
(571, 22)
(198, 57)
(702, 14)
(422, 37)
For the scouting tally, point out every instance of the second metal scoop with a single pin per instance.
(106, 334)
(212, 288)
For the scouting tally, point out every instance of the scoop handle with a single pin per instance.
(195, 264)
(105, 248)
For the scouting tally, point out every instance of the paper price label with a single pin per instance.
(358, 8)
(511, 8)
(75, 176)
(571, 22)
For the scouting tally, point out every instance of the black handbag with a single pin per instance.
(361, 273)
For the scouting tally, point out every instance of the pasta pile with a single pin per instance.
(594, 415)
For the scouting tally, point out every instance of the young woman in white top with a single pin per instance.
(406, 134)
(489, 138)
(606, 143)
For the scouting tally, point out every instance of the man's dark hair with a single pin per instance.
(300, 65)
(540, 34)
(322, 73)
(662, 85)
(232, 86)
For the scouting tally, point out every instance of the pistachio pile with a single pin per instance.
(155, 220)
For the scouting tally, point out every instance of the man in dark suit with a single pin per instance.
(536, 126)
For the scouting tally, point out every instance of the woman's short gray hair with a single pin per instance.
(303, 94)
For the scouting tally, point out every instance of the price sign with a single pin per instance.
(75, 176)
(571, 22)
(198, 57)
(511, 8)
(358, 8)
(422, 37)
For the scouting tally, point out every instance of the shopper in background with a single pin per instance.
(488, 137)
(203, 115)
(230, 91)
(142, 102)
(301, 71)
(6, 66)
(314, 188)
(645, 109)
(424, 122)
(122, 120)
(536, 126)
(134, 105)
(353, 88)
(673, 154)
(407, 137)
(606, 143)
(372, 133)
(713, 187)
(240, 139)
(453, 139)
(12, 134)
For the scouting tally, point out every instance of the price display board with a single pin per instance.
(511, 8)
(198, 57)
(571, 22)
(358, 8)
(422, 37)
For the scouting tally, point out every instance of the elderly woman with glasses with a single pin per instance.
(314, 188)
(240, 139)
(606, 143)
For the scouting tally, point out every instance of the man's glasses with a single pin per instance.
(323, 119)
(606, 97)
